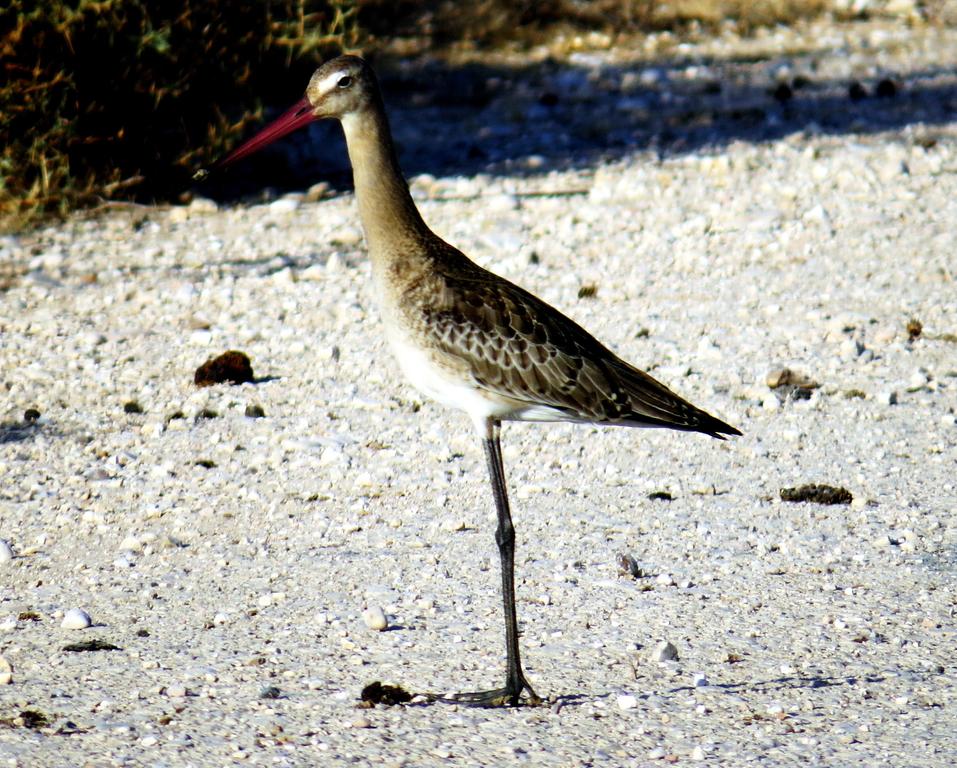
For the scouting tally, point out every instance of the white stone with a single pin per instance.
(6, 551)
(131, 544)
(283, 205)
(627, 701)
(76, 618)
(664, 651)
(375, 618)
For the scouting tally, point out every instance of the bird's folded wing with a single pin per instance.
(518, 347)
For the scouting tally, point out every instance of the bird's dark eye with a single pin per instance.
(344, 82)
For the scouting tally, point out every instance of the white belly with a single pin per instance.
(456, 389)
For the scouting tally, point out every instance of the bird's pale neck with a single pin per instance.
(389, 216)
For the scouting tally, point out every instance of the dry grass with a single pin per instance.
(104, 99)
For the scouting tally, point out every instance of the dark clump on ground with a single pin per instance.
(27, 718)
(377, 693)
(817, 494)
(232, 366)
(91, 645)
(914, 329)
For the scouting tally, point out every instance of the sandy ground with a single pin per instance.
(229, 559)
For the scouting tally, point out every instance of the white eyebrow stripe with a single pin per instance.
(329, 82)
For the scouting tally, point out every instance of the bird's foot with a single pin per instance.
(508, 696)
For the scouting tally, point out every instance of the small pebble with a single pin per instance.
(656, 754)
(700, 680)
(176, 691)
(887, 397)
(6, 672)
(375, 618)
(284, 205)
(627, 701)
(698, 753)
(6, 551)
(629, 566)
(76, 618)
(361, 722)
(664, 651)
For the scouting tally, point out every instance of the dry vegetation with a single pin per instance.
(112, 99)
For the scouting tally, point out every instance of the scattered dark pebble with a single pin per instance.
(660, 496)
(255, 411)
(207, 413)
(886, 89)
(91, 645)
(914, 328)
(783, 93)
(231, 366)
(817, 494)
(799, 82)
(174, 416)
(132, 407)
(205, 463)
(28, 616)
(69, 728)
(855, 394)
(31, 415)
(548, 99)
(856, 92)
(142, 633)
(588, 291)
(377, 693)
(270, 692)
(629, 566)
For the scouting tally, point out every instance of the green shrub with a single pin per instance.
(126, 97)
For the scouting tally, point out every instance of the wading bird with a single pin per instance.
(469, 338)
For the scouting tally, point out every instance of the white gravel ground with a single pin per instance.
(235, 588)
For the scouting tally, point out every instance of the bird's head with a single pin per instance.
(340, 87)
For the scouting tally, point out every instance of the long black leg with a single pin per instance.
(515, 682)
(505, 538)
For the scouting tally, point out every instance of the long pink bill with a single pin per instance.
(298, 115)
